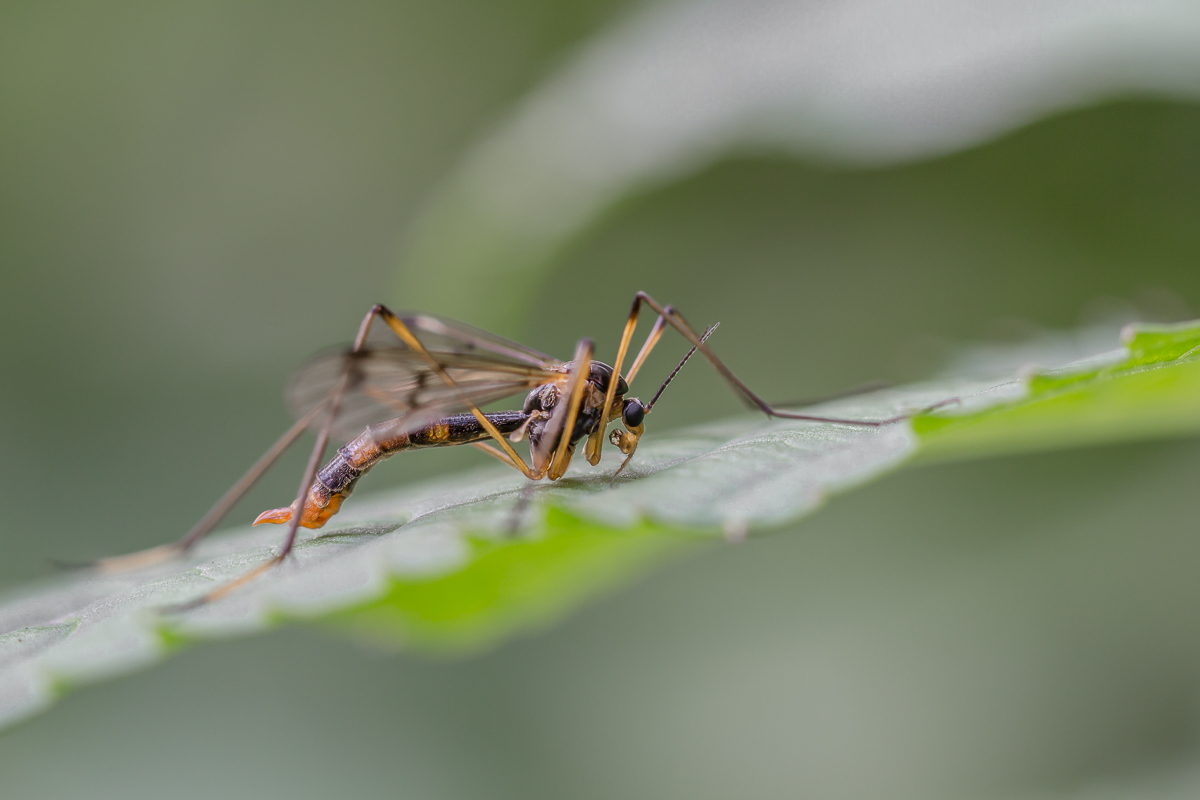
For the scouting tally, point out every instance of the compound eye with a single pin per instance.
(633, 413)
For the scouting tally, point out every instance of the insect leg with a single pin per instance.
(676, 320)
(494, 453)
(318, 451)
(215, 514)
(405, 335)
(853, 391)
(331, 406)
(222, 506)
(310, 473)
(210, 520)
(579, 375)
(656, 333)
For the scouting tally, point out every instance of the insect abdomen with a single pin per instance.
(335, 481)
(379, 441)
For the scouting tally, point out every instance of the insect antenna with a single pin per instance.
(675, 371)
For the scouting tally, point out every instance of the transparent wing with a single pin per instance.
(450, 336)
(387, 380)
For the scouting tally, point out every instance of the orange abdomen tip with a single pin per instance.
(314, 516)
(275, 516)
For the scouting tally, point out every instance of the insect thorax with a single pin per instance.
(544, 399)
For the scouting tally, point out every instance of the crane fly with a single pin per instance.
(414, 380)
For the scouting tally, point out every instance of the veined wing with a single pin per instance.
(388, 380)
(451, 336)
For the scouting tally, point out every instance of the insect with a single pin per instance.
(413, 381)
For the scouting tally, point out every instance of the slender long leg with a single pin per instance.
(592, 450)
(218, 511)
(230, 498)
(318, 451)
(853, 391)
(579, 375)
(676, 320)
(656, 333)
(332, 407)
(310, 474)
(210, 520)
(493, 452)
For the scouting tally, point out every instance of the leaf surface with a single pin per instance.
(438, 566)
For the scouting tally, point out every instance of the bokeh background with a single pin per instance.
(193, 197)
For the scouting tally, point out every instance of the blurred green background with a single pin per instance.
(195, 197)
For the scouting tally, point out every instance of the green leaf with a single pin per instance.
(504, 585)
(1122, 395)
(438, 566)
